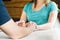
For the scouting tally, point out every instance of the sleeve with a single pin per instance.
(25, 8)
(53, 6)
(4, 16)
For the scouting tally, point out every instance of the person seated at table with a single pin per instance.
(42, 13)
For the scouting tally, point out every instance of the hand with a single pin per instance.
(34, 24)
(31, 24)
(21, 23)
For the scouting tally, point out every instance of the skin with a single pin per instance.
(51, 20)
(14, 31)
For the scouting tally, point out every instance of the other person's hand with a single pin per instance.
(21, 23)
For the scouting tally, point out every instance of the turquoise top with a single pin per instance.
(41, 16)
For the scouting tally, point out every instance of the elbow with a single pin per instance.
(51, 24)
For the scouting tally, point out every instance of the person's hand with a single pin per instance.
(21, 23)
(31, 24)
(34, 24)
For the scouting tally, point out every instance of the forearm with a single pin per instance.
(11, 29)
(24, 32)
(23, 19)
(44, 26)
(23, 16)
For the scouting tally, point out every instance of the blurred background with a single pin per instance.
(15, 7)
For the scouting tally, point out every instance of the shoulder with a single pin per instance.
(26, 7)
(51, 3)
(28, 4)
(53, 6)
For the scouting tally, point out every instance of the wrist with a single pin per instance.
(35, 28)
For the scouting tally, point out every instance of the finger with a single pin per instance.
(24, 24)
(27, 24)
(19, 24)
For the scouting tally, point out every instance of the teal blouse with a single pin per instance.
(41, 16)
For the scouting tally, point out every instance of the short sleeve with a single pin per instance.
(25, 8)
(53, 6)
(4, 16)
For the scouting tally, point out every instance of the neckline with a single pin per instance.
(37, 10)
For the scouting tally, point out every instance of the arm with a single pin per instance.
(22, 20)
(51, 21)
(8, 26)
(14, 31)
(23, 17)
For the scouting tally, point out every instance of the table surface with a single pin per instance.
(37, 35)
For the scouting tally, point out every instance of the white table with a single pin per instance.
(37, 35)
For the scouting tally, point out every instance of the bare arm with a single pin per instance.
(23, 17)
(22, 20)
(14, 31)
(51, 21)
